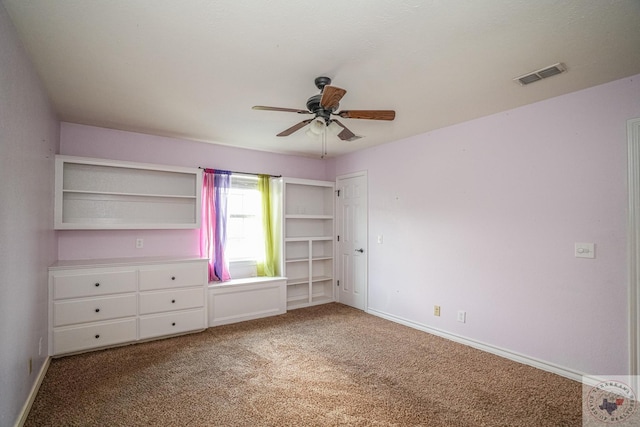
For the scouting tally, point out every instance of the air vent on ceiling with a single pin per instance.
(549, 71)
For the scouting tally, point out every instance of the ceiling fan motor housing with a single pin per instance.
(313, 105)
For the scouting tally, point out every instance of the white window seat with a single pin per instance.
(246, 298)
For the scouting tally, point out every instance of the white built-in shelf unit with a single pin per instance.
(308, 241)
(107, 194)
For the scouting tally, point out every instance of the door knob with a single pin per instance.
(360, 250)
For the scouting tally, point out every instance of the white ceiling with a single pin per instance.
(194, 68)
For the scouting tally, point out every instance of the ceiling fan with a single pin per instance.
(323, 106)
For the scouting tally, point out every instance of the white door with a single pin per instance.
(352, 239)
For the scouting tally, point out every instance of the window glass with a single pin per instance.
(244, 229)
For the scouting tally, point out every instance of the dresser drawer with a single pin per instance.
(75, 311)
(171, 323)
(66, 340)
(179, 299)
(172, 276)
(93, 283)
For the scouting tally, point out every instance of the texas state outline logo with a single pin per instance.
(611, 402)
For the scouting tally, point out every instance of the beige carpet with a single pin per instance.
(327, 365)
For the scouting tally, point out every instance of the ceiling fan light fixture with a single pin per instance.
(317, 126)
(334, 128)
(313, 135)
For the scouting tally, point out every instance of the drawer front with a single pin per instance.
(66, 340)
(173, 276)
(157, 302)
(171, 323)
(93, 284)
(75, 311)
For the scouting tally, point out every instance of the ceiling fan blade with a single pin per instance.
(368, 114)
(288, 110)
(294, 128)
(331, 96)
(346, 134)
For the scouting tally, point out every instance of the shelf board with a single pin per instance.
(305, 280)
(92, 224)
(306, 259)
(321, 299)
(293, 306)
(306, 216)
(121, 194)
(298, 298)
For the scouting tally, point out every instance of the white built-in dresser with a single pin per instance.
(101, 303)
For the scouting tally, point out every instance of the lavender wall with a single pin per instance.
(89, 141)
(28, 141)
(483, 217)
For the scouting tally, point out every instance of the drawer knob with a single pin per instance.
(97, 336)
(173, 324)
(97, 310)
(173, 301)
(97, 284)
(173, 277)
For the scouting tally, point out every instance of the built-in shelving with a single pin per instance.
(106, 194)
(308, 242)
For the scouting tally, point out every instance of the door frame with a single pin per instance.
(339, 220)
(633, 171)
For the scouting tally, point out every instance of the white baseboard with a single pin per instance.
(33, 393)
(507, 354)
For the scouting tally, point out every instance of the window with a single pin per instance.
(237, 245)
(245, 241)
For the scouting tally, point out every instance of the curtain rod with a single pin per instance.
(248, 173)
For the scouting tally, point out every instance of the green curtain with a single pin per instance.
(268, 267)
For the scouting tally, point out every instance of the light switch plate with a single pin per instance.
(585, 250)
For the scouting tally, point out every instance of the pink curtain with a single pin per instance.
(215, 185)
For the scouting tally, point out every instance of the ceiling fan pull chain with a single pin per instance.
(324, 143)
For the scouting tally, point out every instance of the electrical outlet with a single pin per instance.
(462, 316)
(139, 243)
(30, 365)
(436, 310)
(585, 250)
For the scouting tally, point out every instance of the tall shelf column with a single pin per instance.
(308, 242)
